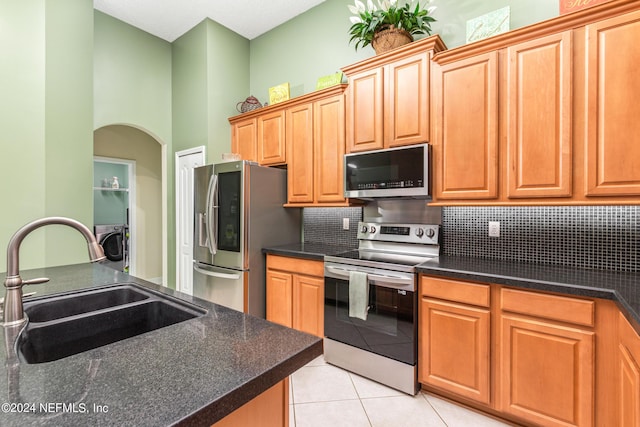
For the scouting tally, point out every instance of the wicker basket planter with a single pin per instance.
(389, 39)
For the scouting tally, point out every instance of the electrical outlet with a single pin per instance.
(494, 229)
(345, 223)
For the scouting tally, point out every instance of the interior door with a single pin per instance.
(185, 162)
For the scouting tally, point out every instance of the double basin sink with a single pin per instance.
(64, 325)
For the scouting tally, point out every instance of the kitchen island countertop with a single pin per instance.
(191, 373)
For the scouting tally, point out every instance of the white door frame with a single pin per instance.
(183, 283)
(131, 194)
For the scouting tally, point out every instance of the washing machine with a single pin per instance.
(114, 240)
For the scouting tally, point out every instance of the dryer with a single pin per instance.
(114, 240)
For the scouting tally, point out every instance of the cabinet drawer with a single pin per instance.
(296, 265)
(563, 309)
(454, 290)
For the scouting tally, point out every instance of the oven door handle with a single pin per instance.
(342, 273)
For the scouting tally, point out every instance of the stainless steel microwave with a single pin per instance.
(390, 173)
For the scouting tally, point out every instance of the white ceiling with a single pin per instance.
(169, 19)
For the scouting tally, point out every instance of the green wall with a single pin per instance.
(46, 112)
(210, 76)
(316, 43)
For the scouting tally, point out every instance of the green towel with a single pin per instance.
(358, 294)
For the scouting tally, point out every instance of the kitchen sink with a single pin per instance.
(64, 325)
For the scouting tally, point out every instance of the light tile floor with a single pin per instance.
(323, 395)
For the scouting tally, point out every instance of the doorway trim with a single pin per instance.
(131, 195)
(201, 151)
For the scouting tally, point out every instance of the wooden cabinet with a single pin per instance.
(538, 117)
(295, 293)
(316, 145)
(388, 97)
(259, 136)
(628, 374)
(526, 356)
(244, 138)
(454, 337)
(465, 145)
(271, 138)
(269, 409)
(547, 359)
(544, 114)
(329, 149)
(612, 108)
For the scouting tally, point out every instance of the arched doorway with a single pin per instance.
(147, 236)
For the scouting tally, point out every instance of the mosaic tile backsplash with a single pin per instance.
(593, 237)
(324, 225)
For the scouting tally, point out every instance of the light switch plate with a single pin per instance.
(494, 229)
(345, 223)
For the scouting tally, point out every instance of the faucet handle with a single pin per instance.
(35, 281)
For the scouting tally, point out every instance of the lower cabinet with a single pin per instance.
(629, 374)
(295, 293)
(269, 409)
(526, 356)
(455, 338)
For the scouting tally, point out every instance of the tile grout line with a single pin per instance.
(359, 399)
(424, 396)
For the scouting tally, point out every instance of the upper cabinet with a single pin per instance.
(387, 101)
(545, 114)
(612, 156)
(465, 145)
(307, 134)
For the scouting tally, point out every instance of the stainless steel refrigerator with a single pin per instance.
(238, 209)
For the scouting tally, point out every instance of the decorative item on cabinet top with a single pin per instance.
(249, 104)
(388, 25)
(279, 93)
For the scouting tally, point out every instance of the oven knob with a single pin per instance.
(365, 229)
(419, 232)
(431, 232)
(372, 229)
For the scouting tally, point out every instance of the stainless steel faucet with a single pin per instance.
(13, 310)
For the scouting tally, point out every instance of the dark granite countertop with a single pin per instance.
(192, 373)
(621, 287)
(307, 250)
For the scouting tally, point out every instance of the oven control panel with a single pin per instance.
(406, 233)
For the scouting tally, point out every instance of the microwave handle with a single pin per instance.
(372, 277)
(212, 214)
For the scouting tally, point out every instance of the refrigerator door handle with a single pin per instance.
(211, 213)
(232, 276)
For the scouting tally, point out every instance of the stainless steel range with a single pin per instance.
(371, 302)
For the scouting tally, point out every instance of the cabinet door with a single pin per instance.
(466, 128)
(546, 372)
(279, 297)
(407, 101)
(329, 147)
(300, 170)
(308, 304)
(453, 352)
(365, 112)
(244, 141)
(613, 128)
(539, 108)
(629, 375)
(271, 138)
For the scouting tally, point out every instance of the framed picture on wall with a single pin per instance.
(568, 6)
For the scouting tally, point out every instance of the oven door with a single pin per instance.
(390, 329)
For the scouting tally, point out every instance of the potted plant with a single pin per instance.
(388, 24)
